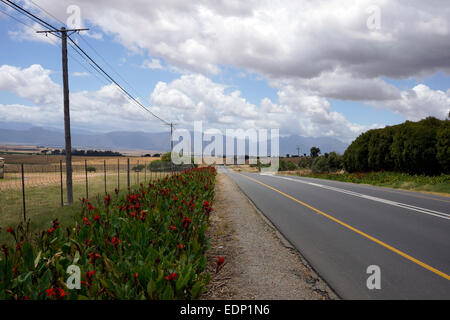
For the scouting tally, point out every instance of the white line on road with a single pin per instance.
(356, 194)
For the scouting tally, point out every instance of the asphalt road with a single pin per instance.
(343, 228)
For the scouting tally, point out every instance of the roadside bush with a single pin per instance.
(305, 162)
(148, 244)
(287, 166)
(320, 165)
(91, 169)
(335, 162)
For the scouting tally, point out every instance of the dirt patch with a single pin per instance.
(259, 265)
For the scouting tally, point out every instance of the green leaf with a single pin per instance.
(36, 261)
(28, 255)
(77, 257)
(196, 290)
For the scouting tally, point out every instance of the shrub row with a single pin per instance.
(148, 244)
(413, 147)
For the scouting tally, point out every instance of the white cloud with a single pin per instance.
(323, 47)
(80, 74)
(281, 39)
(420, 102)
(32, 83)
(152, 64)
(193, 97)
(196, 97)
(103, 110)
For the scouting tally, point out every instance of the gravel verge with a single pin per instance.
(259, 263)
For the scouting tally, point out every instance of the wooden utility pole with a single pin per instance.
(68, 139)
(298, 150)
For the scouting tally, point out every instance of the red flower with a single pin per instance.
(86, 221)
(186, 222)
(51, 292)
(219, 263)
(89, 275)
(19, 246)
(10, 230)
(220, 260)
(61, 293)
(93, 256)
(97, 218)
(55, 224)
(175, 198)
(107, 199)
(172, 227)
(90, 207)
(56, 293)
(180, 246)
(171, 276)
(50, 231)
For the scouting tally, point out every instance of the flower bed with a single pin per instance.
(149, 244)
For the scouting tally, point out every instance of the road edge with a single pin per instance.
(287, 244)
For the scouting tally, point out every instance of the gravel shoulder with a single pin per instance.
(259, 263)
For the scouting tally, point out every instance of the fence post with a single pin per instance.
(145, 173)
(23, 196)
(128, 172)
(104, 170)
(61, 178)
(137, 172)
(118, 174)
(87, 185)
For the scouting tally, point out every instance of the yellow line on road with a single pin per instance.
(401, 253)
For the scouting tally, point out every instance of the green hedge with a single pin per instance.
(412, 147)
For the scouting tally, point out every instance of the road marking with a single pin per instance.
(401, 253)
(430, 212)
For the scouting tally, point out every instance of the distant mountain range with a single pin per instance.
(122, 140)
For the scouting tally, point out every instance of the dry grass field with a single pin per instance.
(43, 184)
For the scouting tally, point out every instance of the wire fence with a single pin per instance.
(27, 190)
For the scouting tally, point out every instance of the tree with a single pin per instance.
(411, 147)
(315, 152)
(443, 147)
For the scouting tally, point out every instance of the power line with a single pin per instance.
(47, 12)
(136, 92)
(115, 82)
(28, 14)
(98, 68)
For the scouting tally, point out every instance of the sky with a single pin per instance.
(314, 68)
